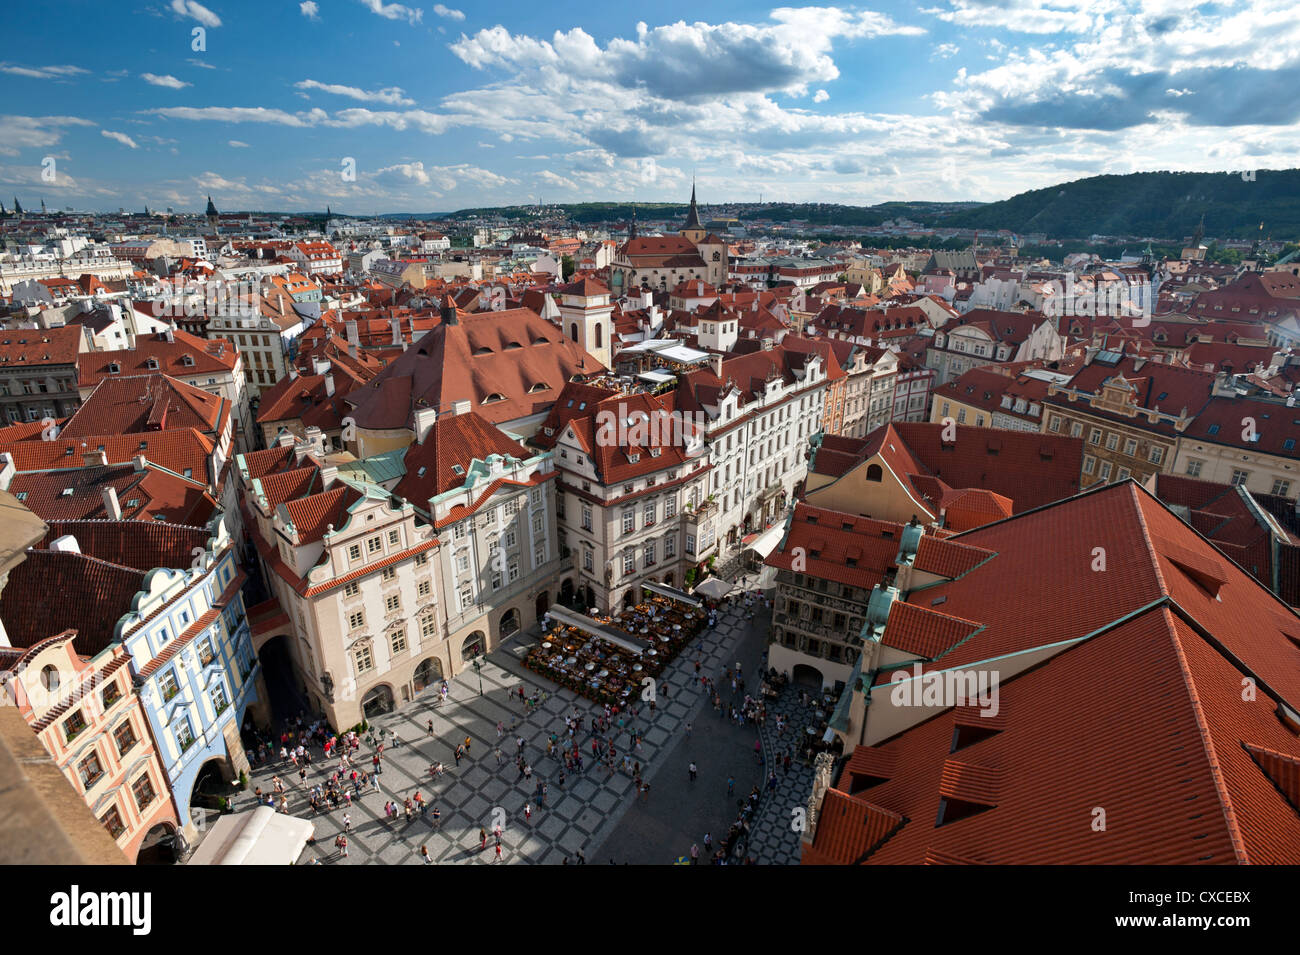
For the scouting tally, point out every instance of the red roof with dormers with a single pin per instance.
(452, 441)
(1186, 628)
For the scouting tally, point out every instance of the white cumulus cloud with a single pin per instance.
(196, 11)
(122, 138)
(167, 80)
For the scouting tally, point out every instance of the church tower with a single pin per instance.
(586, 316)
(211, 214)
(693, 230)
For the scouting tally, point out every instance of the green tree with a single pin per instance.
(567, 267)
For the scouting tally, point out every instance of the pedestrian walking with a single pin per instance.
(528, 810)
(424, 853)
(482, 839)
(692, 770)
(695, 853)
(342, 844)
(731, 785)
(688, 729)
(430, 727)
(498, 859)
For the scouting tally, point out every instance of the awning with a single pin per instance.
(766, 542)
(672, 593)
(260, 837)
(715, 588)
(594, 629)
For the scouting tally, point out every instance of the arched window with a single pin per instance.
(600, 335)
(874, 473)
(50, 678)
(573, 331)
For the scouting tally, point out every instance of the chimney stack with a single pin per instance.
(138, 462)
(7, 470)
(329, 386)
(111, 507)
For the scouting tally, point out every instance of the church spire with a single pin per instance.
(631, 232)
(693, 213)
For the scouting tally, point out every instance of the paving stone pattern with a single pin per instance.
(579, 815)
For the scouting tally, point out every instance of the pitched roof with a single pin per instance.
(186, 355)
(138, 403)
(453, 441)
(508, 365)
(92, 595)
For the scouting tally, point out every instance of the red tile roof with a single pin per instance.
(139, 403)
(452, 441)
(91, 594)
(187, 355)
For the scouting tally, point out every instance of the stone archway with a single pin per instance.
(806, 675)
(472, 646)
(377, 701)
(542, 604)
(427, 674)
(509, 624)
(158, 846)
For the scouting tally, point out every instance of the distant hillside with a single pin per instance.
(1160, 204)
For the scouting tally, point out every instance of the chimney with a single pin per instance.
(169, 334)
(699, 289)
(329, 386)
(397, 330)
(138, 462)
(328, 476)
(448, 311)
(67, 544)
(353, 338)
(320, 366)
(95, 459)
(424, 419)
(461, 407)
(716, 362)
(293, 372)
(7, 469)
(111, 507)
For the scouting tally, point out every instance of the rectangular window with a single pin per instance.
(670, 546)
(167, 685)
(393, 603)
(421, 559)
(649, 555)
(588, 561)
(1094, 436)
(1123, 474)
(1281, 488)
(462, 563)
(352, 589)
(112, 693)
(394, 537)
(458, 532)
(466, 596)
(356, 620)
(428, 625)
(143, 791)
(512, 572)
(1054, 423)
(961, 416)
(354, 551)
(629, 563)
(1156, 455)
(124, 737)
(387, 574)
(423, 588)
(374, 545)
(586, 517)
(1130, 447)
(90, 771)
(1105, 471)
(651, 510)
(690, 543)
(219, 699)
(1089, 463)
(629, 521)
(539, 524)
(1193, 468)
(398, 641)
(670, 507)
(1112, 441)
(361, 657)
(1239, 476)
(206, 655)
(1076, 430)
(112, 821)
(184, 735)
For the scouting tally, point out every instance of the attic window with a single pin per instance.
(420, 473)
(152, 364)
(510, 345)
(482, 350)
(457, 469)
(851, 561)
(938, 600)
(66, 492)
(114, 368)
(187, 360)
(1214, 429)
(951, 810)
(541, 341)
(493, 397)
(21, 495)
(969, 735)
(540, 386)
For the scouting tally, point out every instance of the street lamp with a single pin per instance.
(478, 668)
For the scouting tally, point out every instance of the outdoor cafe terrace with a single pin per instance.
(606, 658)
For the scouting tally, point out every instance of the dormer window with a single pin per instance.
(152, 364)
(494, 397)
(457, 470)
(540, 386)
(114, 368)
(187, 360)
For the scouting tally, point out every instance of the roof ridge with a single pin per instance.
(1207, 740)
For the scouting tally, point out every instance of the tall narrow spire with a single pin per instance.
(631, 232)
(693, 213)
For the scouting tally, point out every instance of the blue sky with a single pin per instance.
(443, 107)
